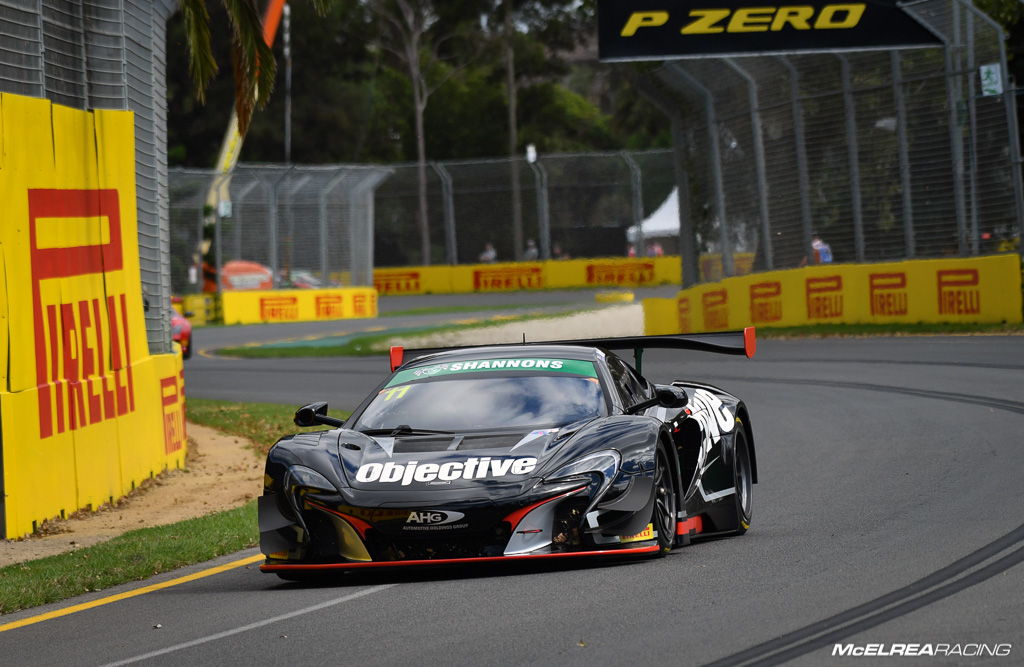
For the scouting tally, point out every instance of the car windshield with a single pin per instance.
(477, 402)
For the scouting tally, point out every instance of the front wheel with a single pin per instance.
(664, 516)
(743, 478)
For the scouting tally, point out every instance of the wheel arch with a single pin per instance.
(748, 431)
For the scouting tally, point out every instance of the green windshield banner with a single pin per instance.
(570, 366)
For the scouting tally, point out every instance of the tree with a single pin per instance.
(408, 30)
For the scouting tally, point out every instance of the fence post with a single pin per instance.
(718, 203)
(759, 160)
(972, 120)
(800, 141)
(636, 179)
(903, 149)
(853, 148)
(540, 176)
(217, 257)
(954, 92)
(235, 210)
(451, 248)
(333, 183)
(1009, 99)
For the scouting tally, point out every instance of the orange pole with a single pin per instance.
(271, 19)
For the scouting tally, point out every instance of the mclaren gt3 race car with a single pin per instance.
(512, 452)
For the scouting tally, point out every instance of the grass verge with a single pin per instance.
(133, 556)
(895, 329)
(372, 344)
(262, 423)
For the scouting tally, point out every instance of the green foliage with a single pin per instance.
(262, 423)
(352, 101)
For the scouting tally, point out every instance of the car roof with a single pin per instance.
(579, 352)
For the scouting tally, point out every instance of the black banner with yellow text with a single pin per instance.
(663, 29)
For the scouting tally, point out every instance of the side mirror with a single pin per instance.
(188, 314)
(314, 414)
(665, 396)
(670, 396)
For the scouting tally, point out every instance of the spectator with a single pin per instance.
(531, 253)
(654, 249)
(489, 254)
(558, 253)
(822, 251)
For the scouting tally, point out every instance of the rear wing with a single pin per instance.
(724, 342)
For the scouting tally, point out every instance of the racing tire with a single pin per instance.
(743, 479)
(186, 350)
(665, 504)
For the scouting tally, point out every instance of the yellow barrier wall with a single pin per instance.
(298, 305)
(86, 413)
(974, 289)
(513, 276)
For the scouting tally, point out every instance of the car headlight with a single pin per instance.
(599, 468)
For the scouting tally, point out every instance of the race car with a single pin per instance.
(181, 331)
(508, 453)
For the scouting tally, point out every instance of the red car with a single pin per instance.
(181, 332)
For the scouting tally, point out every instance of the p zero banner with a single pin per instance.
(662, 29)
(975, 289)
(86, 413)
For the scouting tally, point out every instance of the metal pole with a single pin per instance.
(800, 141)
(448, 205)
(1011, 120)
(272, 225)
(956, 145)
(904, 154)
(636, 179)
(287, 11)
(333, 183)
(234, 214)
(715, 157)
(954, 96)
(853, 153)
(759, 160)
(687, 242)
(540, 176)
(972, 119)
(218, 261)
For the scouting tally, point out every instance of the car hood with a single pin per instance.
(445, 462)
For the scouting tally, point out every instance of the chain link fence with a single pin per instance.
(105, 54)
(579, 205)
(884, 154)
(302, 226)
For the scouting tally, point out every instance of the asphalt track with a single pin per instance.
(889, 511)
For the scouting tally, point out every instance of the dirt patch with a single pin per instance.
(222, 472)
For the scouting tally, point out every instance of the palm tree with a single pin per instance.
(252, 59)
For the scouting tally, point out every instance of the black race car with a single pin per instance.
(511, 452)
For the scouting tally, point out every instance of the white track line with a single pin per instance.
(251, 626)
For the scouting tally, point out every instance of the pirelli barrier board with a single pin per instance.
(86, 413)
(298, 305)
(662, 29)
(513, 276)
(976, 289)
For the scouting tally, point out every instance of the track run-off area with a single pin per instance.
(889, 511)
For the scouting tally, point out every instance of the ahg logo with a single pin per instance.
(432, 517)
